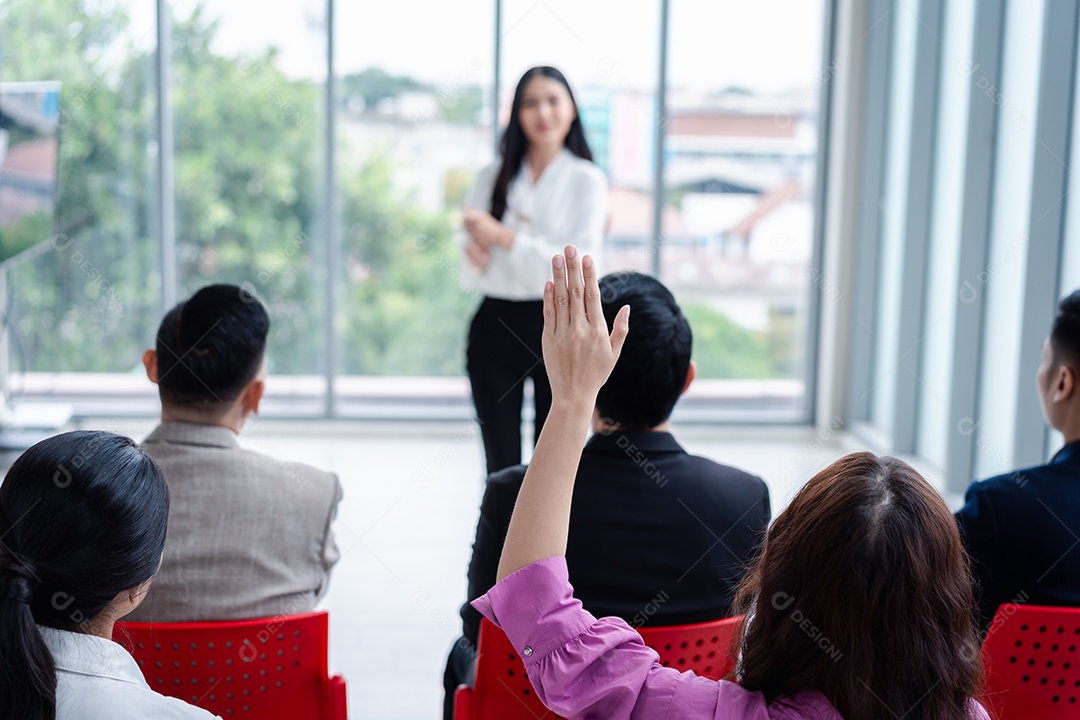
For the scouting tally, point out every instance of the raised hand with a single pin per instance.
(579, 354)
(578, 351)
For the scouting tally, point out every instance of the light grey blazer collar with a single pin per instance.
(185, 433)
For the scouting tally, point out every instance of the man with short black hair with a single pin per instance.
(1021, 528)
(249, 536)
(657, 536)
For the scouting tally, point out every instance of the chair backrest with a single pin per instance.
(265, 668)
(705, 648)
(1032, 659)
(502, 690)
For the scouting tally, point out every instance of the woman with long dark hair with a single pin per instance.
(859, 606)
(82, 527)
(542, 193)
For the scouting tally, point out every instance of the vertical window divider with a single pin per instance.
(975, 235)
(814, 324)
(918, 200)
(165, 158)
(660, 124)
(1046, 224)
(332, 226)
(877, 41)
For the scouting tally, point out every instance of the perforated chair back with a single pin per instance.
(705, 648)
(267, 669)
(502, 690)
(1032, 659)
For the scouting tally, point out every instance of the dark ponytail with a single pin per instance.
(82, 518)
(26, 666)
(514, 144)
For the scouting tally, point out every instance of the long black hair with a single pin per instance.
(514, 143)
(82, 518)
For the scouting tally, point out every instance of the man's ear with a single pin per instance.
(253, 395)
(691, 373)
(1064, 384)
(149, 361)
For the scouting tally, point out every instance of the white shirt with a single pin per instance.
(97, 679)
(568, 204)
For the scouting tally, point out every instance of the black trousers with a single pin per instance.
(460, 670)
(504, 349)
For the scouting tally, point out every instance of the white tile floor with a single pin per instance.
(405, 529)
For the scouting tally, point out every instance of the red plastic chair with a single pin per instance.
(502, 690)
(1032, 659)
(268, 668)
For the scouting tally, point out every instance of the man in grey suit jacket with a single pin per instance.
(249, 536)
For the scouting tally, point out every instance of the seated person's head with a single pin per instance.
(83, 518)
(863, 592)
(209, 363)
(1060, 370)
(654, 368)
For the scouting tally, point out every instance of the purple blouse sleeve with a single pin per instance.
(582, 667)
(590, 669)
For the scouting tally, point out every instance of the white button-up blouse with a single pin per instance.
(96, 679)
(568, 204)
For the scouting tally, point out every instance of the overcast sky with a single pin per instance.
(770, 46)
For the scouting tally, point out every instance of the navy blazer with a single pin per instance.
(1022, 531)
(657, 536)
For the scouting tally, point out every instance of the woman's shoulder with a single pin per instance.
(94, 698)
(96, 679)
(805, 705)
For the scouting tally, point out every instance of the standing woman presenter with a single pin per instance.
(544, 192)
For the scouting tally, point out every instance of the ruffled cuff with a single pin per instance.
(536, 608)
(579, 666)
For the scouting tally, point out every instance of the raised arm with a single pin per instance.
(579, 666)
(579, 355)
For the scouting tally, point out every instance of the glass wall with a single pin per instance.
(740, 164)
(87, 302)
(1009, 235)
(946, 221)
(894, 214)
(975, 301)
(247, 200)
(614, 76)
(1070, 256)
(414, 129)
(247, 103)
